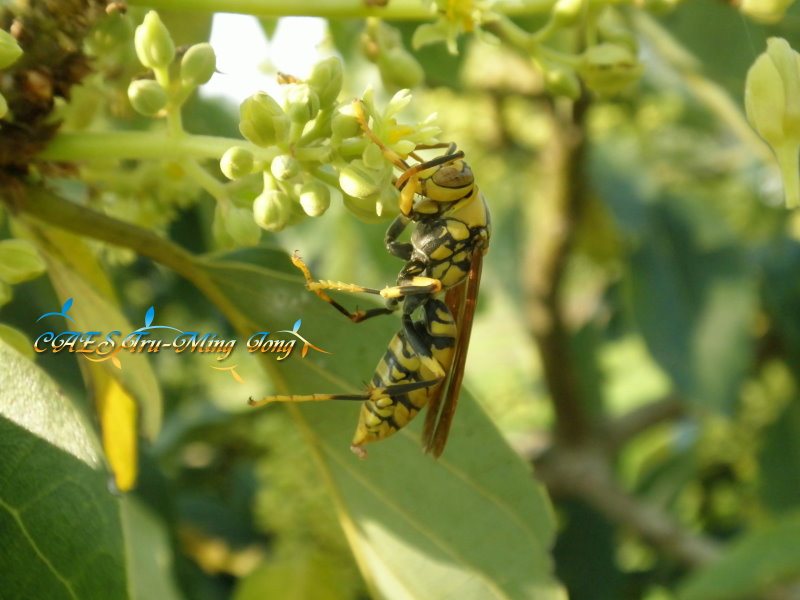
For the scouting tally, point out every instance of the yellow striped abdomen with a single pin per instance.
(389, 410)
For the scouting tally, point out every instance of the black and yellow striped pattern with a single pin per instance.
(390, 407)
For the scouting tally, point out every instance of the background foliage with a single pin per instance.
(629, 424)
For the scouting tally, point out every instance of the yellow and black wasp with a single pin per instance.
(435, 292)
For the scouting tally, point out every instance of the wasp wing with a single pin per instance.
(461, 301)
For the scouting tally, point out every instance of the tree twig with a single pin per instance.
(545, 264)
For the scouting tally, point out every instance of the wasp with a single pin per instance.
(435, 292)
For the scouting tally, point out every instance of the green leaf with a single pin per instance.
(755, 562)
(149, 553)
(473, 524)
(19, 261)
(302, 576)
(61, 530)
(694, 306)
(76, 274)
(779, 458)
(17, 340)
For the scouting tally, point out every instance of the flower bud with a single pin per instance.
(237, 162)
(567, 12)
(272, 209)
(608, 69)
(765, 11)
(772, 103)
(3, 106)
(284, 167)
(301, 102)
(9, 49)
(198, 64)
(344, 126)
(357, 180)
(562, 82)
(326, 80)
(399, 69)
(315, 198)
(262, 121)
(364, 208)
(373, 157)
(109, 34)
(147, 97)
(154, 45)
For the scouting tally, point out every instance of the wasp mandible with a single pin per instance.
(435, 292)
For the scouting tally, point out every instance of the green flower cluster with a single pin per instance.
(301, 151)
(156, 50)
(319, 149)
(607, 66)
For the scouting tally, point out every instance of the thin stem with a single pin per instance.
(49, 208)
(585, 472)
(545, 266)
(104, 146)
(210, 184)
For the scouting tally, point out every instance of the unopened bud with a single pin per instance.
(315, 198)
(357, 180)
(608, 69)
(284, 167)
(147, 97)
(562, 82)
(301, 102)
(10, 50)
(237, 162)
(765, 11)
(109, 34)
(326, 80)
(198, 64)
(364, 208)
(344, 126)
(373, 157)
(262, 121)
(772, 103)
(567, 12)
(154, 45)
(272, 209)
(399, 69)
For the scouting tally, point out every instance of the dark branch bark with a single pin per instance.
(545, 265)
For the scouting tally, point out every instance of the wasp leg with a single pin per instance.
(318, 286)
(413, 286)
(401, 250)
(373, 393)
(306, 398)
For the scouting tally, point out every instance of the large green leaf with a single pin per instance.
(758, 560)
(148, 552)
(695, 307)
(779, 458)
(60, 529)
(473, 524)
